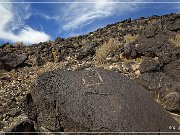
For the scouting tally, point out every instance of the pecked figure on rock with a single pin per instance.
(96, 100)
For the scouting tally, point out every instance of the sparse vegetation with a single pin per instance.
(54, 53)
(8, 46)
(152, 21)
(56, 56)
(18, 44)
(76, 45)
(52, 44)
(103, 51)
(176, 40)
(130, 38)
(13, 74)
(1, 74)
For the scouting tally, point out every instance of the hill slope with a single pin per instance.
(146, 49)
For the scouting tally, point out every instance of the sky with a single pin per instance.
(34, 21)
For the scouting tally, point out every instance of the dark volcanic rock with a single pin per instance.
(1, 65)
(155, 80)
(130, 50)
(150, 31)
(13, 61)
(87, 49)
(165, 58)
(164, 88)
(148, 65)
(39, 61)
(173, 70)
(172, 23)
(96, 100)
(22, 126)
(2, 54)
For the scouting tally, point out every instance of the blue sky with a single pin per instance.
(37, 22)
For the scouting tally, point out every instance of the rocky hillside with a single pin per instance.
(146, 49)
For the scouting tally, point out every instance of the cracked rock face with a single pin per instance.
(96, 100)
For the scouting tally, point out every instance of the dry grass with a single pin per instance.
(152, 21)
(130, 38)
(54, 53)
(18, 44)
(7, 46)
(176, 40)
(103, 51)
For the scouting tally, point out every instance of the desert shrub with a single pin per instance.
(53, 44)
(8, 46)
(54, 53)
(1, 74)
(18, 44)
(176, 40)
(76, 45)
(130, 38)
(152, 21)
(104, 50)
(13, 74)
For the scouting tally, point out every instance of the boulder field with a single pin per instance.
(145, 50)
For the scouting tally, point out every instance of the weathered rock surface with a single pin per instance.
(96, 100)
(149, 65)
(173, 70)
(166, 90)
(87, 49)
(22, 126)
(130, 50)
(13, 61)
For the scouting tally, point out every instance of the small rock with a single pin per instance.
(7, 78)
(25, 125)
(150, 31)
(14, 112)
(115, 59)
(39, 61)
(2, 124)
(130, 51)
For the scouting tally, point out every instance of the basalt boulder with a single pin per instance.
(13, 61)
(173, 70)
(149, 65)
(96, 100)
(86, 50)
(164, 88)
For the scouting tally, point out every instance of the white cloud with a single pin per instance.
(77, 15)
(47, 17)
(12, 24)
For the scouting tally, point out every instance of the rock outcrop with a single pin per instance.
(12, 61)
(96, 100)
(147, 50)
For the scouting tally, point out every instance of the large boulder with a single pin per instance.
(164, 88)
(86, 50)
(149, 65)
(96, 100)
(173, 69)
(13, 61)
(26, 126)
